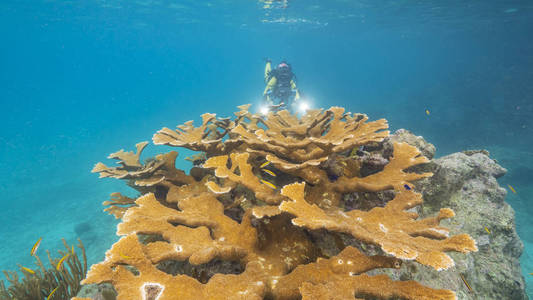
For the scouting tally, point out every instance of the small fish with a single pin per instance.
(268, 183)
(124, 256)
(530, 273)
(407, 187)
(266, 163)
(53, 291)
(466, 283)
(487, 230)
(60, 263)
(333, 177)
(511, 188)
(36, 246)
(269, 172)
(73, 250)
(427, 112)
(28, 270)
(354, 151)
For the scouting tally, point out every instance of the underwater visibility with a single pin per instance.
(267, 149)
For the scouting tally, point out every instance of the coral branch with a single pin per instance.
(293, 143)
(118, 205)
(206, 138)
(155, 171)
(205, 232)
(245, 176)
(390, 227)
(152, 283)
(242, 227)
(340, 277)
(392, 177)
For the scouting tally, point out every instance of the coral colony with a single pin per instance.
(250, 220)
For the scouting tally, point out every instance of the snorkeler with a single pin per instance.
(280, 85)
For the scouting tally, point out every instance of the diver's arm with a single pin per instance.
(270, 85)
(293, 86)
(268, 68)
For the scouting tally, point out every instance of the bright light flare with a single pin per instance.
(303, 107)
(263, 110)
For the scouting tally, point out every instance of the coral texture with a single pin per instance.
(247, 227)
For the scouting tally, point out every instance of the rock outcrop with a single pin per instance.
(466, 183)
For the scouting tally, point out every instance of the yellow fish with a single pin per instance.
(60, 263)
(36, 246)
(28, 270)
(487, 230)
(73, 249)
(266, 163)
(530, 273)
(124, 256)
(466, 283)
(511, 188)
(269, 172)
(268, 183)
(53, 291)
(427, 112)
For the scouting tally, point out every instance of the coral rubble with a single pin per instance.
(252, 224)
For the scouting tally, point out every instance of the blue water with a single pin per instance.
(82, 79)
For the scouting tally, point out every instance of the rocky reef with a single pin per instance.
(326, 206)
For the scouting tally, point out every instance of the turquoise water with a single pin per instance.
(82, 79)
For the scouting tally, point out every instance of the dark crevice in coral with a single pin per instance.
(176, 224)
(236, 201)
(151, 238)
(129, 268)
(160, 193)
(366, 201)
(368, 296)
(235, 213)
(269, 296)
(228, 164)
(237, 171)
(202, 272)
(328, 243)
(199, 173)
(427, 235)
(372, 163)
(332, 243)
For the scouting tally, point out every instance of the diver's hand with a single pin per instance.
(296, 95)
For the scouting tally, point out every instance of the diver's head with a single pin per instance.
(283, 65)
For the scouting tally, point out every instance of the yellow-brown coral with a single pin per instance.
(234, 215)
